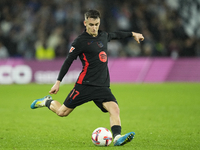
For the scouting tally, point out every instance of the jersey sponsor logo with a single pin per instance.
(100, 44)
(90, 42)
(71, 49)
(103, 56)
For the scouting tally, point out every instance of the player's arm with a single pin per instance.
(138, 37)
(55, 88)
(73, 53)
(64, 69)
(121, 35)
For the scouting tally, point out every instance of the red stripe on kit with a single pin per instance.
(84, 71)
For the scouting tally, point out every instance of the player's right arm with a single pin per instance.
(55, 88)
(73, 53)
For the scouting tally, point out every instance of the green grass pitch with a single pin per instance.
(164, 116)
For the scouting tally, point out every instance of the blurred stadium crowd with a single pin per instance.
(44, 29)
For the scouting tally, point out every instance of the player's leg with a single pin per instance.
(60, 110)
(75, 98)
(115, 124)
(113, 109)
(53, 105)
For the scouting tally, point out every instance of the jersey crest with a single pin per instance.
(100, 44)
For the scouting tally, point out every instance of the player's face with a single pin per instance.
(92, 26)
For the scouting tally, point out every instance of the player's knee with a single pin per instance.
(61, 114)
(115, 111)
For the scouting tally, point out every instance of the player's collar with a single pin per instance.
(99, 32)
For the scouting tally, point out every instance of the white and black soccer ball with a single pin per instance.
(101, 137)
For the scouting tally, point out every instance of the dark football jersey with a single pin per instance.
(92, 52)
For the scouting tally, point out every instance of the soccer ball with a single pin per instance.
(101, 137)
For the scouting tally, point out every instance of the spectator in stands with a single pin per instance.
(43, 52)
(22, 21)
(3, 51)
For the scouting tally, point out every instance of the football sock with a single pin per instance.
(116, 130)
(48, 103)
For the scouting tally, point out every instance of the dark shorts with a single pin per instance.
(81, 94)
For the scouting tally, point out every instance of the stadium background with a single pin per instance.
(38, 31)
(170, 27)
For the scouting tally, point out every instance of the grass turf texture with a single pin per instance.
(164, 117)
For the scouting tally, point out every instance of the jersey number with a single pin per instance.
(74, 94)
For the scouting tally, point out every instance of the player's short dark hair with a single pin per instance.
(92, 14)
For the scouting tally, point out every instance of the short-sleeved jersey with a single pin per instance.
(92, 52)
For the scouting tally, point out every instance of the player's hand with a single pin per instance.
(138, 37)
(55, 88)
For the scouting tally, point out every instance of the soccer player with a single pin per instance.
(93, 83)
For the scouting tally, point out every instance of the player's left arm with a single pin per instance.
(121, 35)
(138, 37)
